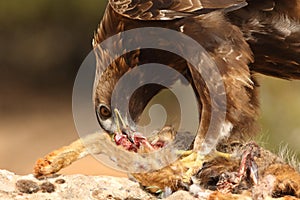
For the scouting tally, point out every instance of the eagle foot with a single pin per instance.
(194, 161)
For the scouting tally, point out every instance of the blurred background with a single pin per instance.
(42, 45)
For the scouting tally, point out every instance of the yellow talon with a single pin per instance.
(189, 156)
(183, 153)
(224, 155)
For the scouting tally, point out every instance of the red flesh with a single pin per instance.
(138, 142)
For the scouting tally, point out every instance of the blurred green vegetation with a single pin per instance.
(280, 114)
(42, 44)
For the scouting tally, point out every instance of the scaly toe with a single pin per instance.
(193, 162)
(222, 154)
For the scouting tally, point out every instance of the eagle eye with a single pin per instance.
(104, 112)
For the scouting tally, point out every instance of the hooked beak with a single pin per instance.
(123, 127)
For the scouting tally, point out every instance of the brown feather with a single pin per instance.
(170, 9)
(253, 39)
(272, 29)
(225, 44)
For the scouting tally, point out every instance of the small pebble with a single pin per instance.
(60, 181)
(27, 186)
(47, 187)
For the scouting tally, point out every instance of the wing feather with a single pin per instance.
(170, 9)
(272, 29)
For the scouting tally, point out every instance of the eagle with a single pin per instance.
(241, 37)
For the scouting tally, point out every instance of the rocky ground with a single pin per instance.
(78, 186)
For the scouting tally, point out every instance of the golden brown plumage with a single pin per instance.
(225, 44)
(241, 40)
